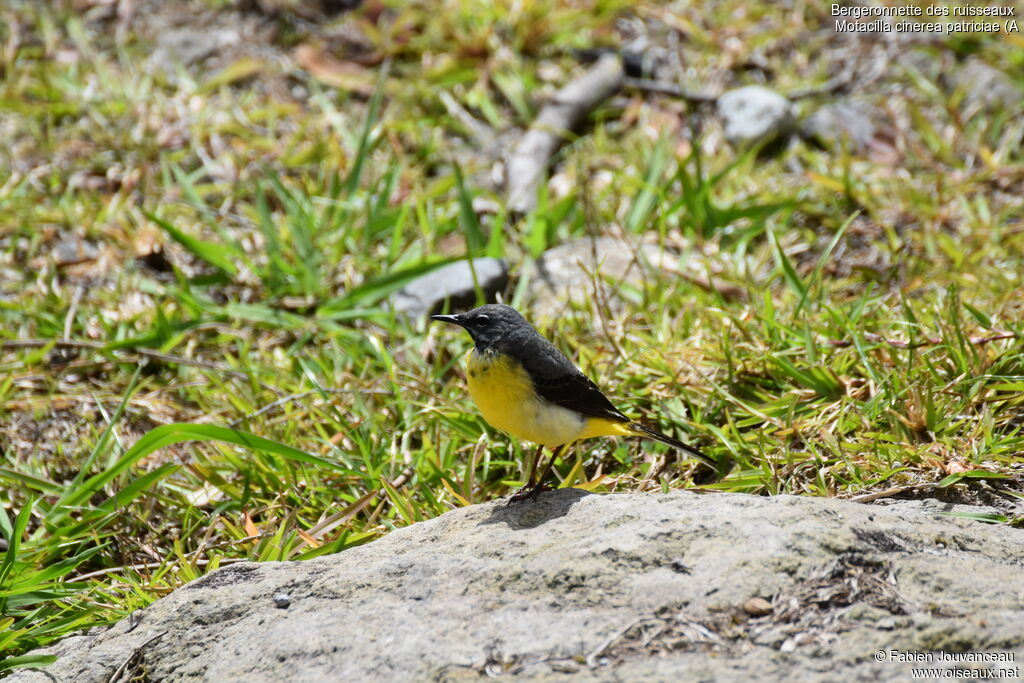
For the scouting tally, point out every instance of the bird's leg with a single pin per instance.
(533, 487)
(555, 453)
(533, 467)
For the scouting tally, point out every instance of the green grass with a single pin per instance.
(247, 394)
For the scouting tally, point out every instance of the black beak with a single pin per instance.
(454, 319)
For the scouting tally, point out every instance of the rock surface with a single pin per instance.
(574, 586)
(754, 115)
(844, 122)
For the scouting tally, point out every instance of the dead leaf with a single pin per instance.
(337, 73)
(313, 543)
(249, 525)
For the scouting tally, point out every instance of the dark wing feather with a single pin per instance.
(578, 393)
(556, 379)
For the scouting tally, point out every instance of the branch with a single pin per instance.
(569, 108)
(927, 341)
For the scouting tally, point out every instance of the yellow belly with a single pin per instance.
(504, 394)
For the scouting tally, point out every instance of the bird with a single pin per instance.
(526, 387)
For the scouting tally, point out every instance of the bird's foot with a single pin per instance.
(527, 492)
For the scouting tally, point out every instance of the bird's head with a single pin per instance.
(490, 326)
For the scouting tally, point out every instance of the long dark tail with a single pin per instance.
(639, 430)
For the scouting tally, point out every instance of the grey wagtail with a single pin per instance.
(525, 386)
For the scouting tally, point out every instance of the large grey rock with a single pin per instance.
(573, 586)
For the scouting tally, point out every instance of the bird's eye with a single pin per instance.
(482, 321)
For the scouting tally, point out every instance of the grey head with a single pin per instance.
(494, 327)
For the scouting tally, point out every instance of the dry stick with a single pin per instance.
(566, 111)
(591, 658)
(132, 658)
(673, 90)
(483, 135)
(147, 353)
(354, 509)
(69, 319)
(192, 557)
(828, 87)
(878, 495)
(670, 89)
(997, 335)
(727, 290)
(295, 397)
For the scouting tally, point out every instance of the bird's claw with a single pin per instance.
(527, 492)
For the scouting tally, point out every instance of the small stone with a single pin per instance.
(757, 607)
(72, 250)
(188, 45)
(482, 206)
(454, 284)
(754, 115)
(846, 122)
(985, 87)
(282, 600)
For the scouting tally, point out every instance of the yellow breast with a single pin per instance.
(503, 392)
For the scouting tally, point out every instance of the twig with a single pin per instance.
(877, 495)
(60, 343)
(726, 290)
(829, 86)
(670, 89)
(569, 108)
(354, 509)
(991, 338)
(927, 341)
(295, 397)
(674, 90)
(483, 135)
(132, 658)
(156, 565)
(592, 657)
(69, 319)
(145, 353)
